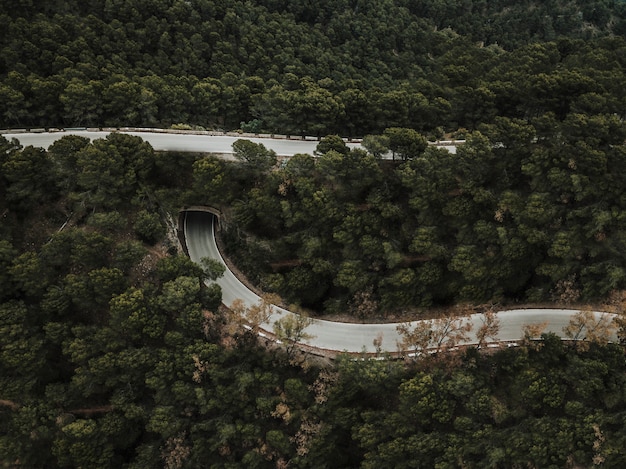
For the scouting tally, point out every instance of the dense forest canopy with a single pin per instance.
(345, 67)
(115, 352)
(523, 212)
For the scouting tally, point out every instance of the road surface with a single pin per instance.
(162, 141)
(334, 336)
(221, 144)
(348, 337)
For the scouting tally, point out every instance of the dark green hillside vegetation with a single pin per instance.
(138, 373)
(524, 212)
(114, 353)
(114, 350)
(511, 24)
(350, 68)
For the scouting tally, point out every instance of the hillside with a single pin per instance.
(350, 68)
(115, 350)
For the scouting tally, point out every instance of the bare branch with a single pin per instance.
(489, 329)
(10, 404)
(532, 333)
(448, 332)
(378, 343)
(440, 334)
(414, 337)
(585, 328)
(291, 329)
(254, 316)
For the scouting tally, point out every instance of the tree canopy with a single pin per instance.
(116, 351)
(346, 68)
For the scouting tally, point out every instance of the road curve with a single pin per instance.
(334, 336)
(199, 232)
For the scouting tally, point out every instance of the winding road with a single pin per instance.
(350, 337)
(326, 335)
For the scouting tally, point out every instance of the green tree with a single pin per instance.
(212, 269)
(29, 275)
(149, 227)
(291, 329)
(121, 102)
(28, 175)
(377, 145)
(254, 157)
(406, 143)
(171, 267)
(13, 109)
(210, 181)
(207, 98)
(132, 316)
(82, 102)
(64, 153)
(7, 254)
(178, 294)
(331, 142)
(23, 355)
(113, 168)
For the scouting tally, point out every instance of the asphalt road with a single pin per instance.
(328, 335)
(349, 337)
(162, 141)
(177, 142)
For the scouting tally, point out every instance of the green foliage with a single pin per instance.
(473, 415)
(149, 227)
(254, 157)
(112, 358)
(212, 269)
(107, 222)
(513, 214)
(28, 178)
(406, 143)
(7, 253)
(336, 68)
(111, 170)
(170, 268)
(377, 145)
(331, 142)
(105, 369)
(210, 182)
(176, 293)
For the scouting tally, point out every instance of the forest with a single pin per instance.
(116, 353)
(348, 67)
(115, 350)
(524, 212)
